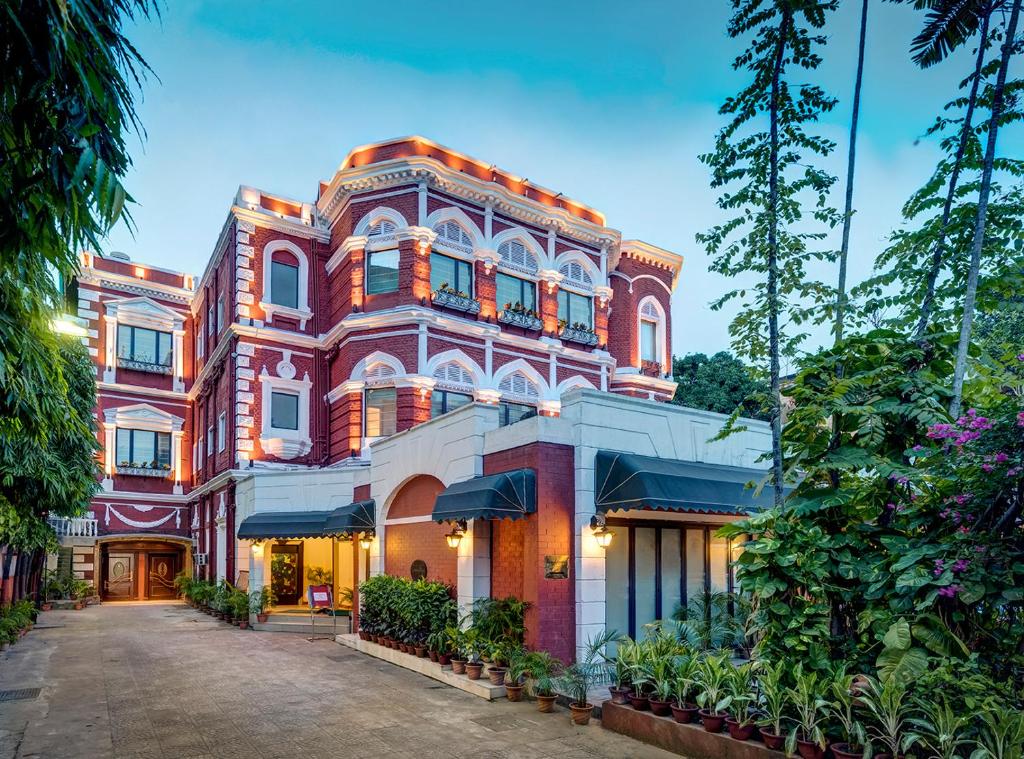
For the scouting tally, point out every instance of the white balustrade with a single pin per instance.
(74, 527)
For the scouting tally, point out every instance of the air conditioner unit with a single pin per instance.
(200, 559)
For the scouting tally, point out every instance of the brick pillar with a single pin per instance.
(486, 291)
(548, 308)
(357, 273)
(601, 322)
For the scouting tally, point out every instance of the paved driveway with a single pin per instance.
(163, 680)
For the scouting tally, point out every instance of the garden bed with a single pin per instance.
(481, 688)
(689, 740)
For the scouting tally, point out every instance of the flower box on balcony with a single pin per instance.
(455, 301)
(123, 362)
(579, 334)
(143, 471)
(650, 368)
(523, 319)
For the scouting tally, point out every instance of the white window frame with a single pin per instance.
(366, 390)
(200, 345)
(209, 441)
(222, 428)
(270, 309)
(220, 314)
(661, 349)
(280, 442)
(146, 313)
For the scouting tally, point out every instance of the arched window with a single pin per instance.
(516, 255)
(378, 373)
(652, 331)
(518, 385)
(574, 273)
(454, 374)
(381, 228)
(452, 234)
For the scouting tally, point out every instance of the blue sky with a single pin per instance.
(607, 102)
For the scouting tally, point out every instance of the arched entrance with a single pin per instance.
(414, 546)
(133, 568)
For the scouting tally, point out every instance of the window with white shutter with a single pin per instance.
(519, 385)
(517, 256)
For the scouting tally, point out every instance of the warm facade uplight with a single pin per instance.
(601, 533)
(454, 538)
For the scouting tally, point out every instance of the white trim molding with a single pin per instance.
(283, 443)
(302, 312)
(146, 313)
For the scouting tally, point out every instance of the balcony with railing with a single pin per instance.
(74, 527)
(139, 365)
(579, 334)
(523, 318)
(457, 301)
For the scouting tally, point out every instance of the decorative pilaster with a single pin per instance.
(244, 254)
(110, 348)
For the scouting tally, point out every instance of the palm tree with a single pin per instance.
(932, 45)
(844, 251)
(1008, 48)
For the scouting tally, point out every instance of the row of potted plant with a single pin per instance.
(16, 620)
(224, 601)
(802, 712)
(56, 588)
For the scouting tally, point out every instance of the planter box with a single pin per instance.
(581, 336)
(518, 319)
(143, 471)
(689, 740)
(455, 302)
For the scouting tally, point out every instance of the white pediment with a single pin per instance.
(142, 416)
(144, 312)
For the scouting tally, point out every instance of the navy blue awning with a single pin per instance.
(631, 481)
(347, 520)
(509, 495)
(268, 525)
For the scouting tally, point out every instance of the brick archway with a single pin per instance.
(411, 535)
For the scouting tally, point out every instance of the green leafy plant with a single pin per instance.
(261, 600)
(841, 709)
(713, 680)
(774, 697)
(686, 679)
(888, 704)
(1002, 733)
(809, 709)
(939, 728)
(544, 669)
(740, 687)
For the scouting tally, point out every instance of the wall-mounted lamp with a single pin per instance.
(602, 534)
(257, 550)
(366, 540)
(454, 538)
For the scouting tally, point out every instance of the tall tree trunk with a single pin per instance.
(928, 302)
(851, 162)
(773, 259)
(1009, 42)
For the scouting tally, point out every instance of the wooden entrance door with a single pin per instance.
(119, 577)
(286, 572)
(160, 572)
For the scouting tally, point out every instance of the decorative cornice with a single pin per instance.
(278, 224)
(125, 283)
(652, 254)
(347, 246)
(416, 169)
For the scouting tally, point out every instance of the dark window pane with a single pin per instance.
(163, 448)
(442, 272)
(381, 412)
(284, 411)
(513, 290)
(143, 447)
(124, 442)
(443, 401)
(382, 272)
(284, 284)
(563, 306)
(510, 413)
(124, 341)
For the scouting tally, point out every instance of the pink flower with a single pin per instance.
(1002, 458)
(949, 591)
(986, 467)
(939, 566)
(963, 530)
(1020, 356)
(960, 565)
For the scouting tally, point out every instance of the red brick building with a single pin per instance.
(428, 323)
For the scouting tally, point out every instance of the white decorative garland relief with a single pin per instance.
(142, 525)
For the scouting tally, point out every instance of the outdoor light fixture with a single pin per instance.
(366, 540)
(454, 538)
(257, 550)
(602, 534)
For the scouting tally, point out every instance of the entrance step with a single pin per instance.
(291, 623)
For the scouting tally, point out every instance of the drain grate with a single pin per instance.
(19, 695)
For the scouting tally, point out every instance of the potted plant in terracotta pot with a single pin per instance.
(741, 693)
(888, 703)
(774, 701)
(618, 669)
(713, 698)
(638, 657)
(684, 710)
(261, 600)
(807, 738)
(457, 640)
(854, 744)
(240, 607)
(515, 677)
(474, 653)
(579, 677)
(663, 678)
(543, 669)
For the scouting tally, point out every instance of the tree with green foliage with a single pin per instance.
(67, 108)
(720, 383)
(766, 175)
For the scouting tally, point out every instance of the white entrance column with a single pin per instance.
(222, 540)
(474, 564)
(590, 558)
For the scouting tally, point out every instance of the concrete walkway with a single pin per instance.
(163, 680)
